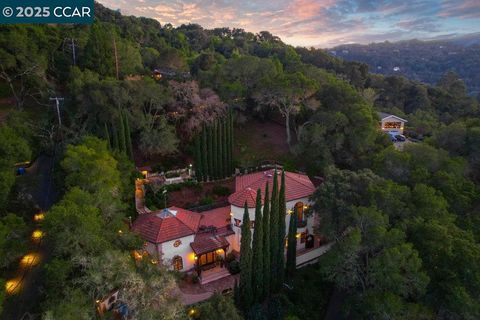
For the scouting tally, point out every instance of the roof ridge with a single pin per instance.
(287, 173)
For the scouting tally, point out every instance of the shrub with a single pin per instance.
(205, 201)
(234, 267)
(230, 257)
(221, 191)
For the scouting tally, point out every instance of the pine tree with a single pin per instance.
(204, 152)
(128, 136)
(121, 135)
(282, 209)
(210, 152)
(267, 268)
(246, 296)
(257, 248)
(220, 149)
(274, 234)
(292, 245)
(198, 159)
(107, 136)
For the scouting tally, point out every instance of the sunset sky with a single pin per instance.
(320, 23)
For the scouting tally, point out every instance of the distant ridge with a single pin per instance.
(421, 60)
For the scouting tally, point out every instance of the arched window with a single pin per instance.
(299, 210)
(177, 263)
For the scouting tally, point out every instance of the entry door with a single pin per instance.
(207, 258)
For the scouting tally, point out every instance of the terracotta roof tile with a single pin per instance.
(155, 229)
(217, 218)
(207, 242)
(297, 186)
(190, 218)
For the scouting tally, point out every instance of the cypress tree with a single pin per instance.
(231, 141)
(282, 209)
(220, 149)
(198, 159)
(215, 150)
(210, 152)
(236, 295)
(128, 137)
(257, 248)
(204, 152)
(107, 136)
(225, 148)
(121, 135)
(274, 234)
(227, 144)
(292, 245)
(246, 296)
(267, 268)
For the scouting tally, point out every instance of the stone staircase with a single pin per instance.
(214, 274)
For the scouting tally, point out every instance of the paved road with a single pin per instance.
(23, 304)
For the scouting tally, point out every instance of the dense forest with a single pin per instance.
(405, 223)
(424, 61)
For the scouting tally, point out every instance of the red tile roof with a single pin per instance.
(190, 218)
(207, 242)
(156, 229)
(296, 186)
(217, 218)
(161, 226)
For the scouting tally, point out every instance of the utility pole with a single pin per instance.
(69, 44)
(74, 56)
(116, 55)
(57, 104)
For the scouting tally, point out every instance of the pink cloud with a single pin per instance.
(466, 9)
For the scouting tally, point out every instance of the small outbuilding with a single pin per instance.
(391, 124)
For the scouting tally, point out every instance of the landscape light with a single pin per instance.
(37, 235)
(39, 217)
(13, 286)
(29, 260)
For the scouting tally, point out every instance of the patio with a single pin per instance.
(191, 293)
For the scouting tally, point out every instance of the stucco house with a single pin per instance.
(391, 123)
(187, 240)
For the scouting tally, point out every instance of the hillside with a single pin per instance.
(403, 225)
(424, 61)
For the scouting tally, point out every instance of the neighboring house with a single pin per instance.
(188, 240)
(391, 123)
